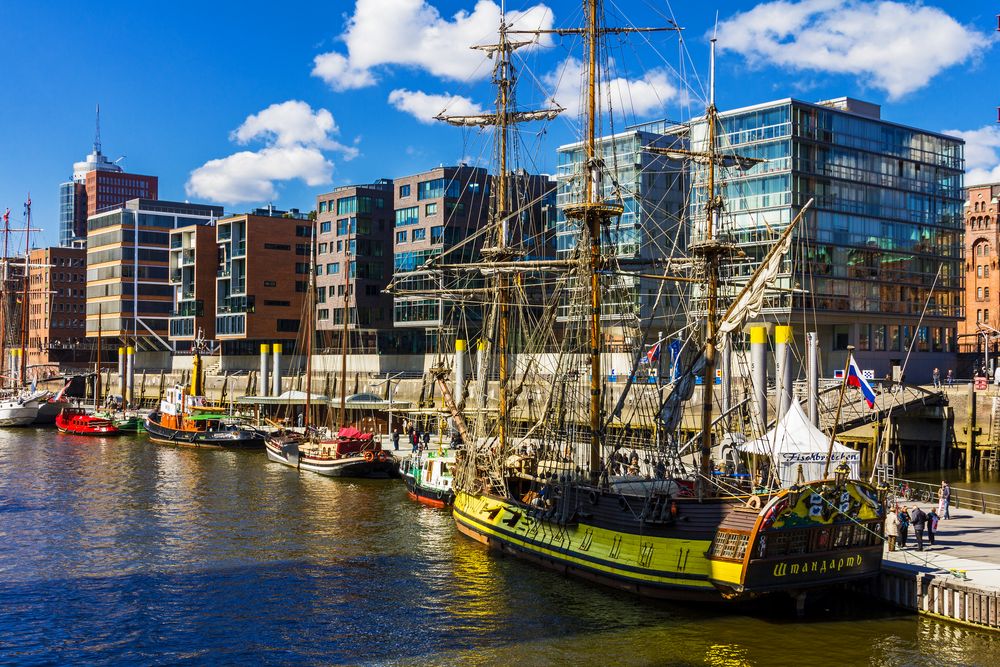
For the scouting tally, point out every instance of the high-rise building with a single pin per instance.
(652, 190)
(128, 286)
(354, 226)
(97, 184)
(57, 307)
(878, 257)
(980, 328)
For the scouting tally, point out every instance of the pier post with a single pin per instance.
(727, 378)
(129, 396)
(276, 371)
(121, 372)
(758, 361)
(782, 369)
(812, 352)
(265, 351)
(459, 371)
(970, 442)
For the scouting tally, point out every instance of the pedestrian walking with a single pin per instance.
(932, 525)
(936, 377)
(919, 520)
(891, 529)
(944, 499)
(903, 527)
(395, 439)
(414, 439)
(427, 439)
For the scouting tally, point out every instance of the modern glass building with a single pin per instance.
(651, 188)
(882, 241)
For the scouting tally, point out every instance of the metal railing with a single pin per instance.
(908, 490)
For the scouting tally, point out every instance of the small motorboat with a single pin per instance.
(77, 421)
(351, 453)
(428, 477)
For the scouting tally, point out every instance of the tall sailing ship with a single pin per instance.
(591, 477)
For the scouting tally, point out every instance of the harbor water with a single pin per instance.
(118, 551)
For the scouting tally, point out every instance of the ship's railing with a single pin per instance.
(908, 490)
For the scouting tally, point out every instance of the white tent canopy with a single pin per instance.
(794, 441)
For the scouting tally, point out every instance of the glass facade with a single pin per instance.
(650, 188)
(886, 214)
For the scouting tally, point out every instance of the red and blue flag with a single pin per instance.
(854, 378)
(653, 354)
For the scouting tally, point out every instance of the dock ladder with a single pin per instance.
(991, 457)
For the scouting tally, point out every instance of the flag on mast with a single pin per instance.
(855, 378)
(653, 354)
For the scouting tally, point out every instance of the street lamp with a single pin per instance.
(841, 473)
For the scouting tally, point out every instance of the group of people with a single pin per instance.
(898, 522)
(936, 378)
(413, 435)
(901, 518)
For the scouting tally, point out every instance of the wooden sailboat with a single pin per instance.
(347, 452)
(18, 407)
(566, 496)
(77, 420)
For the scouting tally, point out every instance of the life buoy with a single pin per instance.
(593, 497)
(754, 502)
(369, 456)
(439, 495)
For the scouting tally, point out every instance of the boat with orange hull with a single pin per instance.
(77, 421)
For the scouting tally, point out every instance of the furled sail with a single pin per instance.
(750, 301)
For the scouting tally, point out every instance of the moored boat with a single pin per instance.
(77, 421)
(428, 477)
(189, 421)
(19, 410)
(350, 454)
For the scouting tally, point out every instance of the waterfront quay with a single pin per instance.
(957, 579)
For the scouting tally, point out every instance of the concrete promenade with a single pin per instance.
(957, 579)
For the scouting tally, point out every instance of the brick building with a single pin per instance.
(263, 273)
(57, 304)
(97, 183)
(981, 323)
(354, 232)
(194, 255)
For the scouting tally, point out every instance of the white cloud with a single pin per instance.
(982, 154)
(413, 33)
(424, 107)
(892, 46)
(294, 138)
(638, 97)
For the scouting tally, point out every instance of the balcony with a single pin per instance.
(240, 248)
(176, 241)
(239, 287)
(175, 276)
(187, 294)
(237, 304)
(187, 258)
(225, 233)
(223, 272)
(189, 309)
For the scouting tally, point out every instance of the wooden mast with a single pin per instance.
(97, 365)
(4, 296)
(502, 79)
(344, 332)
(710, 251)
(593, 195)
(310, 314)
(24, 292)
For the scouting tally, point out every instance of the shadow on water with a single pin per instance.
(124, 552)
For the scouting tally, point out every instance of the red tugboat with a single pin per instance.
(77, 421)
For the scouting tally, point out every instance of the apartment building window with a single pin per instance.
(319, 269)
(431, 209)
(332, 268)
(407, 216)
(419, 234)
(322, 248)
(986, 315)
(979, 271)
(401, 237)
(404, 191)
(986, 294)
(324, 227)
(323, 314)
(979, 294)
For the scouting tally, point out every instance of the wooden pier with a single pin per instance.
(957, 579)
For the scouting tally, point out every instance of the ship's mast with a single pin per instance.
(4, 297)
(344, 331)
(24, 291)
(709, 249)
(310, 314)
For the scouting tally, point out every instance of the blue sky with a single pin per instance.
(250, 102)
